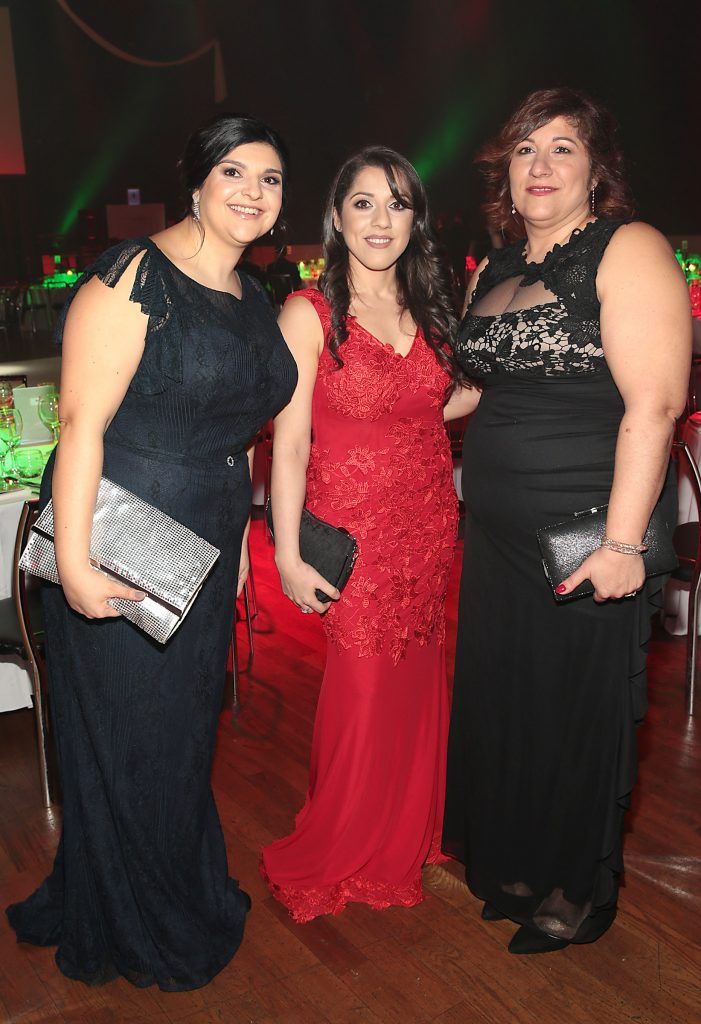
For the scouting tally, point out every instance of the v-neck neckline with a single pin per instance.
(386, 344)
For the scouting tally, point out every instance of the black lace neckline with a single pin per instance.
(150, 244)
(549, 339)
(531, 267)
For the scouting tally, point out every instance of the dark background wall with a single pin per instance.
(431, 79)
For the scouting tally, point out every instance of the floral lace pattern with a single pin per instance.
(389, 481)
(553, 339)
(306, 904)
(534, 340)
(373, 376)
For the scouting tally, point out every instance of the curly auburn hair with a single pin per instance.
(598, 131)
(424, 286)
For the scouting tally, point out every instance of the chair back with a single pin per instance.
(689, 550)
(693, 399)
(15, 380)
(681, 453)
(25, 587)
(281, 286)
(687, 542)
(456, 430)
(6, 308)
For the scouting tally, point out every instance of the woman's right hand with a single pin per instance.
(87, 592)
(299, 581)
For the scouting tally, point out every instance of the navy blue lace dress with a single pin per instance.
(541, 756)
(140, 885)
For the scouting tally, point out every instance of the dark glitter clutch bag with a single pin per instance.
(330, 550)
(137, 545)
(565, 546)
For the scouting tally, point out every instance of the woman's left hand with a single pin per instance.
(244, 568)
(612, 574)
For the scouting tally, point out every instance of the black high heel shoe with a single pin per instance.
(528, 940)
(490, 913)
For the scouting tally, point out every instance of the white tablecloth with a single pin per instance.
(15, 684)
(676, 604)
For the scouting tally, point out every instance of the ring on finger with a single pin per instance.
(632, 594)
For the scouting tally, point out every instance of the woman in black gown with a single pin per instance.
(579, 334)
(171, 363)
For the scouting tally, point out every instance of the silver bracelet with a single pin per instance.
(623, 549)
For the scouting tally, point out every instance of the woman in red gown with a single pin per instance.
(363, 442)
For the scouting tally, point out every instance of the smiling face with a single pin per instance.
(241, 197)
(376, 227)
(550, 175)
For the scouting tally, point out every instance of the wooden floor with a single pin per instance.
(436, 962)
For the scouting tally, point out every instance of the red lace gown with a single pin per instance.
(380, 466)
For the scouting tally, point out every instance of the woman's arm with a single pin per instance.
(291, 444)
(463, 402)
(646, 334)
(103, 342)
(464, 399)
(472, 285)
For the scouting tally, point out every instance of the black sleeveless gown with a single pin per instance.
(140, 885)
(541, 757)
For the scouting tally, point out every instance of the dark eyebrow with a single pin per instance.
(371, 195)
(237, 163)
(558, 138)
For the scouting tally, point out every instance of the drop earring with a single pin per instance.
(196, 209)
(593, 200)
(513, 209)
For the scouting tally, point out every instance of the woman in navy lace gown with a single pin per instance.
(171, 363)
(579, 333)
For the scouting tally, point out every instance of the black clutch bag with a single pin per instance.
(565, 546)
(330, 550)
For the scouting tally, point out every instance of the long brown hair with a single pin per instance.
(423, 283)
(596, 127)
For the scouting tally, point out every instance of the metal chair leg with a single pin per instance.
(42, 737)
(692, 642)
(48, 775)
(247, 604)
(234, 669)
(252, 586)
(250, 608)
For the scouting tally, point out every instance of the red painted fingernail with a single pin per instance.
(561, 589)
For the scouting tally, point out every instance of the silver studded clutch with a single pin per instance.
(140, 546)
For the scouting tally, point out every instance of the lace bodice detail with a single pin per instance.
(380, 466)
(214, 367)
(538, 319)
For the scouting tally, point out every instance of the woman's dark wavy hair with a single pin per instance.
(599, 132)
(209, 144)
(423, 284)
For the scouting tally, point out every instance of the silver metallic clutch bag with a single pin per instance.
(140, 546)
